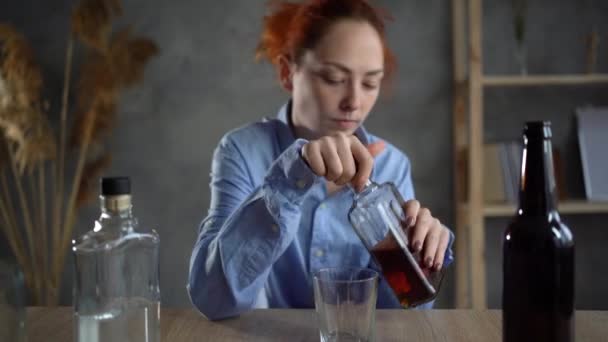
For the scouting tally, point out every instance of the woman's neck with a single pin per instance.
(298, 129)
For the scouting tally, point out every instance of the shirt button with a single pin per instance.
(301, 183)
(274, 228)
(319, 253)
(323, 206)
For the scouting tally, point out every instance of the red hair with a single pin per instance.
(292, 28)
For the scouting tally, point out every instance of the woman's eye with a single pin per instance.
(370, 86)
(333, 80)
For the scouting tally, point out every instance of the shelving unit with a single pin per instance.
(565, 207)
(469, 83)
(542, 80)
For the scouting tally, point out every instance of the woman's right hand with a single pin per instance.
(342, 159)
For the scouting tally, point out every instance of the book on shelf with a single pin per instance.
(502, 172)
(493, 177)
(592, 127)
(511, 155)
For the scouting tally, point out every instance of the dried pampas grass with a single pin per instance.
(21, 117)
(3, 153)
(103, 78)
(129, 55)
(92, 171)
(28, 144)
(92, 22)
(19, 68)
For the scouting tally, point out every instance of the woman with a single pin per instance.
(279, 202)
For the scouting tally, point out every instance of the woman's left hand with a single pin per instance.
(427, 235)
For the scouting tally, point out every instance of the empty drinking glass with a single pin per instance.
(345, 300)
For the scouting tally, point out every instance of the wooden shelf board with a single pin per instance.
(565, 207)
(539, 80)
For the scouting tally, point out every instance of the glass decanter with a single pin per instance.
(378, 219)
(116, 287)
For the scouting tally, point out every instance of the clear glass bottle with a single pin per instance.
(116, 287)
(12, 302)
(377, 216)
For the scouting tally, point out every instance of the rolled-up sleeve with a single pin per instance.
(246, 230)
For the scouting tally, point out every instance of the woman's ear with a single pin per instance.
(286, 72)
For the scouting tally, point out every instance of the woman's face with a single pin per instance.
(335, 85)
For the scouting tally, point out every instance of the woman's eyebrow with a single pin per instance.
(349, 71)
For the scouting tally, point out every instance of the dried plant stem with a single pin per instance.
(51, 282)
(29, 233)
(44, 249)
(70, 214)
(36, 224)
(36, 227)
(10, 231)
(10, 223)
(12, 234)
(7, 198)
(34, 199)
(19, 248)
(22, 200)
(64, 113)
(60, 169)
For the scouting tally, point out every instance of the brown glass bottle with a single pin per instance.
(538, 252)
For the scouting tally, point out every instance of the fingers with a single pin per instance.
(410, 210)
(311, 153)
(444, 240)
(365, 163)
(431, 242)
(346, 158)
(421, 224)
(333, 163)
(427, 235)
(341, 159)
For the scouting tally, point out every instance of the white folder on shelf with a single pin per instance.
(593, 143)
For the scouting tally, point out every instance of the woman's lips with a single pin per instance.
(345, 124)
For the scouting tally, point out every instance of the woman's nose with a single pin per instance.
(352, 99)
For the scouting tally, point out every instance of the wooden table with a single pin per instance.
(177, 325)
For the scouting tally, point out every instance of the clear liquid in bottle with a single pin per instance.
(116, 290)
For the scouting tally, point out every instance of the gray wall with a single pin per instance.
(206, 82)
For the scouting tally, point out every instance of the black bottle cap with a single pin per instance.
(538, 129)
(115, 186)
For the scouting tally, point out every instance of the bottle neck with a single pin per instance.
(537, 195)
(118, 210)
(368, 188)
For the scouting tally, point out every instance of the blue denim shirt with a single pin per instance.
(271, 223)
